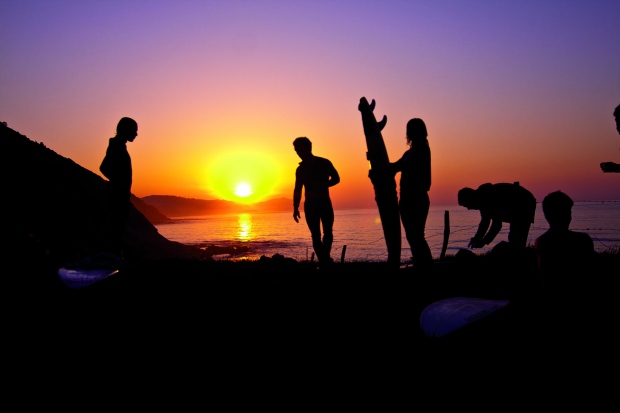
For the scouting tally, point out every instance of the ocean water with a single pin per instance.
(360, 231)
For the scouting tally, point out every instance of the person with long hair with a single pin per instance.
(415, 182)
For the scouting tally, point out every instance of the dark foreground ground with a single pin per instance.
(287, 321)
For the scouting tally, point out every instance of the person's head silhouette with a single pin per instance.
(467, 198)
(127, 129)
(617, 116)
(416, 131)
(303, 147)
(557, 209)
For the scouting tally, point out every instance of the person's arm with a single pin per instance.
(476, 241)
(389, 170)
(496, 226)
(398, 165)
(610, 167)
(334, 178)
(106, 166)
(297, 197)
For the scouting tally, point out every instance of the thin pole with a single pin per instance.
(344, 249)
(446, 234)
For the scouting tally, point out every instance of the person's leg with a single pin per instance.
(414, 221)
(327, 220)
(517, 235)
(313, 219)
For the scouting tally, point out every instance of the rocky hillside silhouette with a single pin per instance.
(58, 208)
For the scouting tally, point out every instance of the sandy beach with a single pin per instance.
(282, 315)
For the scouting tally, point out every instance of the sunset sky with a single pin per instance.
(510, 90)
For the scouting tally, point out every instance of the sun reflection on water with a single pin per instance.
(245, 227)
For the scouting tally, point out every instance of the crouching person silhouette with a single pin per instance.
(498, 203)
(316, 175)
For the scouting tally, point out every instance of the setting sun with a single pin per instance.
(243, 176)
(243, 190)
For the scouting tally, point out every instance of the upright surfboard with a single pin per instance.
(383, 184)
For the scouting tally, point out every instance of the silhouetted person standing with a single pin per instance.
(415, 182)
(116, 166)
(316, 175)
(610, 166)
(564, 256)
(502, 202)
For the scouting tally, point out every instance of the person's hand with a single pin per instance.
(382, 173)
(475, 243)
(610, 167)
(296, 215)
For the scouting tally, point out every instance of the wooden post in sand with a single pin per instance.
(446, 234)
(344, 249)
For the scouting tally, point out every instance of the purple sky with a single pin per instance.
(510, 91)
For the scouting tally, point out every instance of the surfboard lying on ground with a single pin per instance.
(384, 185)
(445, 316)
(81, 277)
(90, 270)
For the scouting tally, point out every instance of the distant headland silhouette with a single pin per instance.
(176, 206)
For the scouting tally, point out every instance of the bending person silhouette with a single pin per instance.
(316, 175)
(502, 202)
(611, 166)
(116, 166)
(561, 252)
(415, 182)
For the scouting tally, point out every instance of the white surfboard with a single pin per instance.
(445, 316)
(83, 277)
(90, 270)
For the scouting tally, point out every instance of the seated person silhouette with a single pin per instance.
(501, 202)
(562, 254)
(611, 166)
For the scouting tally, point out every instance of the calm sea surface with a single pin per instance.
(361, 232)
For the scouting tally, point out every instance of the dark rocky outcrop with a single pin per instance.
(60, 207)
